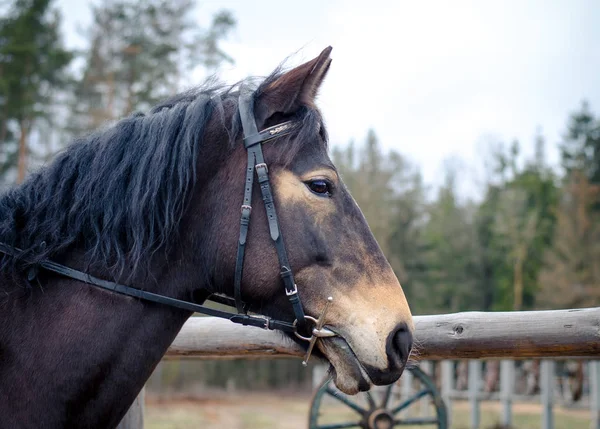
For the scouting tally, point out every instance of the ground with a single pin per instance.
(290, 411)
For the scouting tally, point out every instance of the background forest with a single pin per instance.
(531, 241)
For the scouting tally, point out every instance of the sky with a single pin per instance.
(437, 81)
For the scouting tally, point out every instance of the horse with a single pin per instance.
(150, 207)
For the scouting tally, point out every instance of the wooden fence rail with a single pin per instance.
(471, 335)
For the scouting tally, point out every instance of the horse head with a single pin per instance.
(332, 252)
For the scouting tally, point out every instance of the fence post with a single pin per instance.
(474, 383)
(594, 371)
(507, 388)
(427, 368)
(448, 386)
(547, 371)
(406, 388)
(134, 419)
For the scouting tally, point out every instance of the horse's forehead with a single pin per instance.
(310, 154)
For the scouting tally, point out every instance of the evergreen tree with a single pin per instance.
(33, 65)
(139, 52)
(515, 225)
(451, 258)
(571, 276)
(580, 149)
(391, 195)
(376, 180)
(406, 243)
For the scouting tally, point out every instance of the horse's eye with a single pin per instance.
(320, 187)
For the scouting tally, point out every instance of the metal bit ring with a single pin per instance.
(317, 332)
(302, 337)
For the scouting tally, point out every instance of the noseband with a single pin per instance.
(253, 140)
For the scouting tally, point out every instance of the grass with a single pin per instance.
(284, 411)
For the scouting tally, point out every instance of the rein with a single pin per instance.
(243, 319)
(253, 140)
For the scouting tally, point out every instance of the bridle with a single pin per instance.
(253, 140)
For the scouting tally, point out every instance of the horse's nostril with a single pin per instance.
(401, 345)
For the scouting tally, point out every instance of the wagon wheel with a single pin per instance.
(381, 408)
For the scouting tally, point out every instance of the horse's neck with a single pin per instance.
(72, 355)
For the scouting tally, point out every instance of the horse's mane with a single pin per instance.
(120, 193)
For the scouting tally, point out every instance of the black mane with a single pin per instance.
(120, 193)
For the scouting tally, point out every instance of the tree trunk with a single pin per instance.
(22, 165)
(109, 113)
(518, 281)
(4, 126)
(3, 129)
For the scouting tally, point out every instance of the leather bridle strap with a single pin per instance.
(242, 319)
(253, 142)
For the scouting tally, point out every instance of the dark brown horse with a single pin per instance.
(154, 202)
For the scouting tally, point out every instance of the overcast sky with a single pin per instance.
(436, 80)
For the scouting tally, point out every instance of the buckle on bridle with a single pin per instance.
(293, 292)
(246, 207)
(317, 332)
(266, 319)
(262, 165)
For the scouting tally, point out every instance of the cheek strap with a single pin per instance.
(253, 141)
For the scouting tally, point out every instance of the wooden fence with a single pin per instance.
(507, 396)
(469, 335)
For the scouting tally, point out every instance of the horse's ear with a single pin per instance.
(293, 89)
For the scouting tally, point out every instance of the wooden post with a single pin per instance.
(474, 383)
(448, 386)
(427, 368)
(134, 419)
(507, 388)
(406, 389)
(547, 370)
(594, 371)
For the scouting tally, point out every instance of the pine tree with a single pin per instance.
(450, 257)
(377, 181)
(515, 224)
(139, 52)
(391, 195)
(571, 276)
(580, 149)
(33, 65)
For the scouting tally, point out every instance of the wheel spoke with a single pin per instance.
(342, 398)
(372, 404)
(386, 396)
(409, 401)
(339, 426)
(393, 405)
(416, 421)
